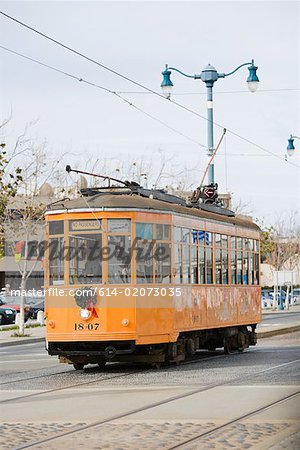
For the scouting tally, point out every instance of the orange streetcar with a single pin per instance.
(138, 275)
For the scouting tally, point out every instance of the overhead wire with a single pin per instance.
(110, 91)
(215, 92)
(185, 108)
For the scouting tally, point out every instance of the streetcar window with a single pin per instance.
(239, 243)
(56, 227)
(186, 278)
(232, 242)
(218, 239)
(194, 236)
(167, 232)
(144, 231)
(159, 229)
(185, 235)
(177, 234)
(119, 259)
(85, 254)
(256, 268)
(218, 266)
(194, 263)
(208, 238)
(233, 266)
(209, 266)
(224, 266)
(256, 246)
(202, 237)
(239, 265)
(86, 224)
(251, 268)
(162, 258)
(246, 244)
(182, 235)
(144, 262)
(118, 225)
(56, 261)
(202, 265)
(144, 253)
(224, 241)
(245, 269)
(177, 264)
(163, 232)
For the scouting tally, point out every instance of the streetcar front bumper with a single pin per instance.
(89, 349)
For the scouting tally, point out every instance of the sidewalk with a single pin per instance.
(36, 334)
(289, 325)
(264, 329)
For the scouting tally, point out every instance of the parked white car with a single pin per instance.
(296, 296)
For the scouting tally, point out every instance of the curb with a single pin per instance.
(19, 342)
(278, 332)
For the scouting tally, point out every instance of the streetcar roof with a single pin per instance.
(109, 202)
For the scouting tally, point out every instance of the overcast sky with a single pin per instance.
(137, 39)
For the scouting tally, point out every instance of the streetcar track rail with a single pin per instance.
(38, 376)
(35, 377)
(233, 421)
(184, 363)
(49, 391)
(163, 402)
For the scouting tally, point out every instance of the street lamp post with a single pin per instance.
(209, 76)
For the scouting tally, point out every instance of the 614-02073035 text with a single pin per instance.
(140, 292)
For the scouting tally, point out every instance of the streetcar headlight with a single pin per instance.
(125, 322)
(85, 314)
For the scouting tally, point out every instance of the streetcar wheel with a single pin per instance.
(78, 366)
(190, 347)
(2, 321)
(228, 350)
(156, 365)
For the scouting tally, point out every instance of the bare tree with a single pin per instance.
(280, 245)
(156, 170)
(23, 214)
(241, 207)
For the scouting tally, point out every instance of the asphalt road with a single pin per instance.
(131, 407)
(22, 358)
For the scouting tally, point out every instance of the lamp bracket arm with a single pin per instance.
(296, 137)
(182, 73)
(235, 70)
